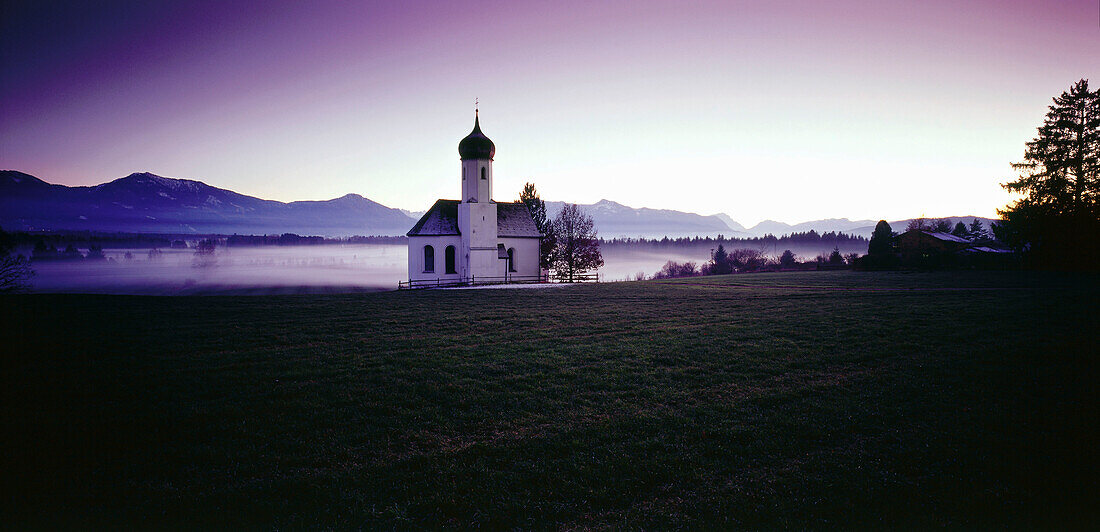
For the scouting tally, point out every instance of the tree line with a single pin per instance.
(1058, 180)
(746, 260)
(809, 238)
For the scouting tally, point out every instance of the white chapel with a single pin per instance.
(474, 239)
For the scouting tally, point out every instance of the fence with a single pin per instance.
(472, 281)
(483, 280)
(577, 277)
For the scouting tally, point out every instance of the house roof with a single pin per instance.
(948, 237)
(513, 220)
(986, 249)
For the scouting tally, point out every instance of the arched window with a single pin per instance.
(429, 259)
(483, 172)
(463, 173)
(511, 259)
(449, 259)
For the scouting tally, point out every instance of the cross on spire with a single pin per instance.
(475, 106)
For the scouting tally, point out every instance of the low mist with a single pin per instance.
(296, 269)
(243, 270)
(624, 263)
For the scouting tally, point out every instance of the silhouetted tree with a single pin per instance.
(977, 230)
(577, 250)
(43, 251)
(835, 258)
(882, 240)
(747, 260)
(719, 262)
(15, 270)
(530, 197)
(787, 259)
(673, 269)
(919, 224)
(1059, 178)
(880, 250)
(204, 254)
(95, 253)
(71, 253)
(942, 225)
(960, 230)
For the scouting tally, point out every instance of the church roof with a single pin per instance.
(513, 220)
(476, 145)
(441, 219)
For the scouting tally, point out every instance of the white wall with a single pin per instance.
(478, 224)
(525, 258)
(439, 243)
(473, 187)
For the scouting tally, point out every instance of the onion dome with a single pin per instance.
(476, 145)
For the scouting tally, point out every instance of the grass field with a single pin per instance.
(757, 401)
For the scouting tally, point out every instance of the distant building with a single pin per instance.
(474, 239)
(917, 241)
(934, 249)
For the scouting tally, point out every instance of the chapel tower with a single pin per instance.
(477, 212)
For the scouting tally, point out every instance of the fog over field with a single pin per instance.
(267, 269)
(293, 269)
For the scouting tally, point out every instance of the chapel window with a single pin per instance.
(429, 259)
(449, 259)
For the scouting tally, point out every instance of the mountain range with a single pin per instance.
(148, 203)
(616, 220)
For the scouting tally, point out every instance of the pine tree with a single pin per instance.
(835, 257)
(530, 197)
(977, 230)
(1059, 173)
(787, 260)
(882, 240)
(720, 262)
(1059, 215)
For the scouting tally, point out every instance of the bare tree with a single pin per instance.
(577, 250)
(673, 269)
(919, 224)
(15, 270)
(204, 254)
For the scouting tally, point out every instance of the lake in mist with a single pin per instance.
(280, 270)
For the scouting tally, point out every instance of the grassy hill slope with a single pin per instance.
(804, 400)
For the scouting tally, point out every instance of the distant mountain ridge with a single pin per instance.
(617, 220)
(148, 203)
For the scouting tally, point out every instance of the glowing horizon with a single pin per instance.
(792, 112)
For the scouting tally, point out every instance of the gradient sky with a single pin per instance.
(786, 110)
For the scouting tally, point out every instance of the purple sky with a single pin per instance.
(784, 110)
